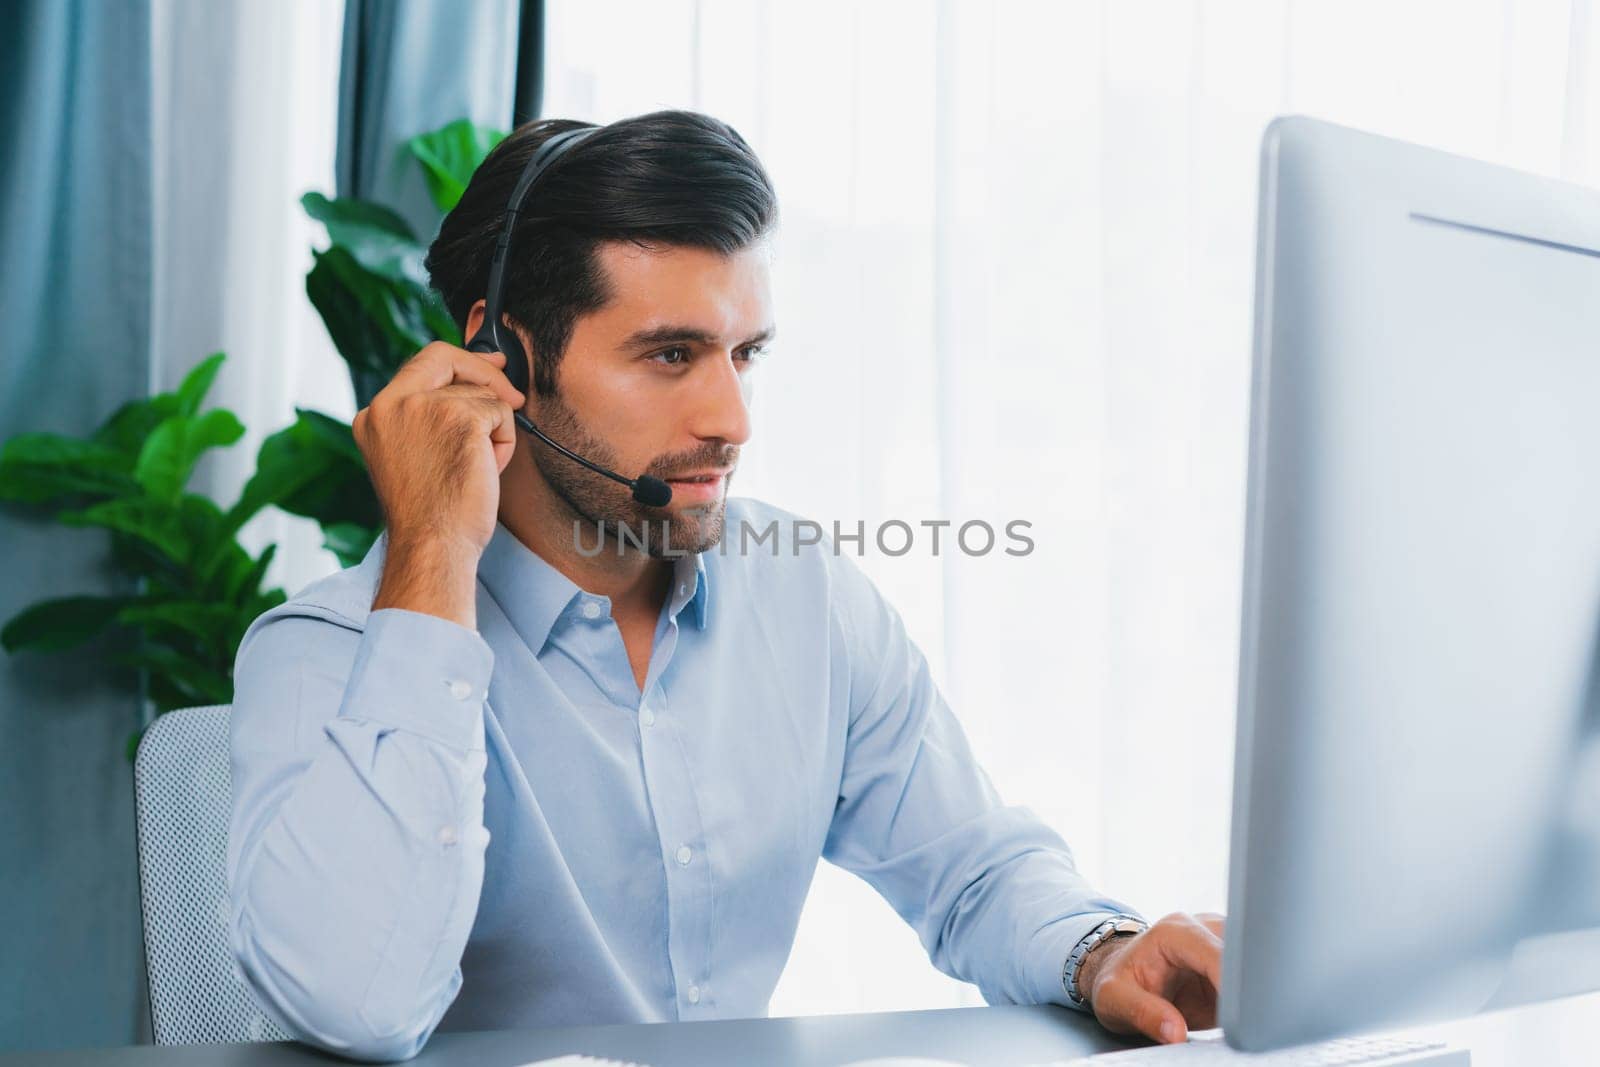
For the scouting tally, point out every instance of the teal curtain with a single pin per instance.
(75, 254)
(410, 66)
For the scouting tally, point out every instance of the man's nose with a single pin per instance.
(722, 411)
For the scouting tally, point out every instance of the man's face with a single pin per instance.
(658, 382)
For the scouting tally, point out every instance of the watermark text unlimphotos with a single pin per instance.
(894, 537)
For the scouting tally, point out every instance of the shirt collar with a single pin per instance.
(689, 586)
(531, 592)
(534, 595)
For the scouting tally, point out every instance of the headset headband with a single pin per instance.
(543, 159)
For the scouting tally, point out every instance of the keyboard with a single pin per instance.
(1206, 1049)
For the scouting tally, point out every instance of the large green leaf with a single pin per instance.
(39, 467)
(419, 315)
(208, 533)
(335, 434)
(249, 579)
(449, 155)
(378, 238)
(375, 322)
(125, 431)
(207, 621)
(137, 557)
(311, 468)
(171, 451)
(356, 218)
(197, 383)
(52, 625)
(153, 521)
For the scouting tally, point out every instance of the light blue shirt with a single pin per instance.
(436, 828)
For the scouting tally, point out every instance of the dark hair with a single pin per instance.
(667, 178)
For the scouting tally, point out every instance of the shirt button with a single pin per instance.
(683, 589)
(647, 716)
(694, 994)
(684, 855)
(460, 689)
(447, 836)
(591, 610)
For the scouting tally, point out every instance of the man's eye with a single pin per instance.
(754, 353)
(672, 356)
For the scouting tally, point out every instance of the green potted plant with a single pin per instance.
(198, 589)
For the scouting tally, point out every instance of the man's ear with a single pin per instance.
(474, 320)
(475, 323)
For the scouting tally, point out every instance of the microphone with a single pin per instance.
(651, 492)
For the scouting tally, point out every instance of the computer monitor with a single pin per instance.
(1417, 778)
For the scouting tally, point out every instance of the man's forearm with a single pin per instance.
(430, 576)
(357, 840)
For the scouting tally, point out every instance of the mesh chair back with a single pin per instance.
(181, 803)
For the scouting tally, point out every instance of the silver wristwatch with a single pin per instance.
(1116, 926)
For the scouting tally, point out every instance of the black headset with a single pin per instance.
(495, 336)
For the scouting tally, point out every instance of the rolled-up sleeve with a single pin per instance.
(992, 892)
(356, 842)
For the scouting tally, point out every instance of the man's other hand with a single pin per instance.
(1159, 983)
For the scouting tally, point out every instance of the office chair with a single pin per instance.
(181, 803)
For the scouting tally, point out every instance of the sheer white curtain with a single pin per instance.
(1014, 282)
(245, 101)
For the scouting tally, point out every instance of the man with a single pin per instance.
(493, 778)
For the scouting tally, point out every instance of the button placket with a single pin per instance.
(655, 698)
(667, 779)
(687, 871)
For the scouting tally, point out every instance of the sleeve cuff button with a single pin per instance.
(460, 689)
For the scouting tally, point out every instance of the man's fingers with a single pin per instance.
(503, 437)
(1123, 1006)
(439, 365)
(485, 398)
(503, 431)
(1196, 948)
(473, 368)
(1212, 921)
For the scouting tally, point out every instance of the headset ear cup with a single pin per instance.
(482, 341)
(517, 369)
(488, 339)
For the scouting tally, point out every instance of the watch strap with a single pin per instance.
(1113, 926)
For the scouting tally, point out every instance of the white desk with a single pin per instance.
(1559, 1033)
(1563, 1033)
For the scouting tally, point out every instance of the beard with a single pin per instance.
(604, 505)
